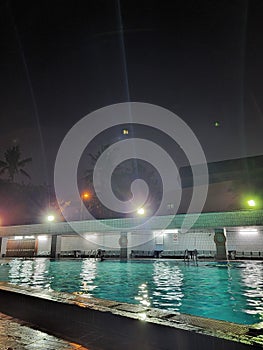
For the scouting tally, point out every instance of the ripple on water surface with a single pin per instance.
(225, 291)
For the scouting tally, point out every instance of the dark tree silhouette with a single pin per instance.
(13, 164)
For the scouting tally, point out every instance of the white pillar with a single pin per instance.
(220, 241)
(3, 243)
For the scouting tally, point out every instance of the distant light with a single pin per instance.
(50, 218)
(251, 203)
(18, 237)
(91, 236)
(141, 211)
(86, 195)
(29, 237)
(216, 123)
(125, 131)
(248, 231)
(42, 238)
(167, 231)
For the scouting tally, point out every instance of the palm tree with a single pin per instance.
(94, 158)
(12, 163)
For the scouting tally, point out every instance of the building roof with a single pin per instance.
(203, 221)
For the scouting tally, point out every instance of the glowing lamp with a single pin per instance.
(125, 131)
(251, 203)
(50, 218)
(86, 195)
(141, 211)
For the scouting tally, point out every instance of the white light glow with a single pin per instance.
(50, 218)
(18, 237)
(29, 237)
(141, 211)
(164, 232)
(248, 231)
(42, 238)
(142, 316)
(91, 235)
(170, 231)
(251, 203)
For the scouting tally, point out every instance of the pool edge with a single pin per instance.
(63, 313)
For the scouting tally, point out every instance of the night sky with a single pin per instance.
(61, 60)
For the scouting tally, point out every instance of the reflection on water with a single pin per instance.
(32, 273)
(227, 291)
(87, 276)
(252, 277)
(40, 276)
(143, 296)
(65, 275)
(168, 281)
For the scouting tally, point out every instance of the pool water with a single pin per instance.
(225, 291)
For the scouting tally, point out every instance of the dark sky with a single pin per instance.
(60, 60)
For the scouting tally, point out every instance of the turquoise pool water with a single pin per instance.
(225, 291)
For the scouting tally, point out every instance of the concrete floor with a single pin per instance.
(18, 335)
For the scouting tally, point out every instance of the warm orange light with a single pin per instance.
(86, 195)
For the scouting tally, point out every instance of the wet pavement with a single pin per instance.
(18, 335)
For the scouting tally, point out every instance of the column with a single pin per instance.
(220, 241)
(123, 242)
(55, 246)
(3, 243)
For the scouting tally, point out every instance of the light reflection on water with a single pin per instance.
(143, 296)
(252, 277)
(232, 292)
(29, 273)
(87, 276)
(167, 281)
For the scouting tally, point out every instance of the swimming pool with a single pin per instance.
(225, 291)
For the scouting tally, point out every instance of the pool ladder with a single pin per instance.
(190, 255)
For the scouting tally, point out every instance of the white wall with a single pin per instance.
(245, 240)
(44, 245)
(198, 239)
(69, 243)
(141, 240)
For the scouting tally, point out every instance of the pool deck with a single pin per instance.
(96, 324)
(20, 335)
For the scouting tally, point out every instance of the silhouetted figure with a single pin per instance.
(100, 255)
(190, 255)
